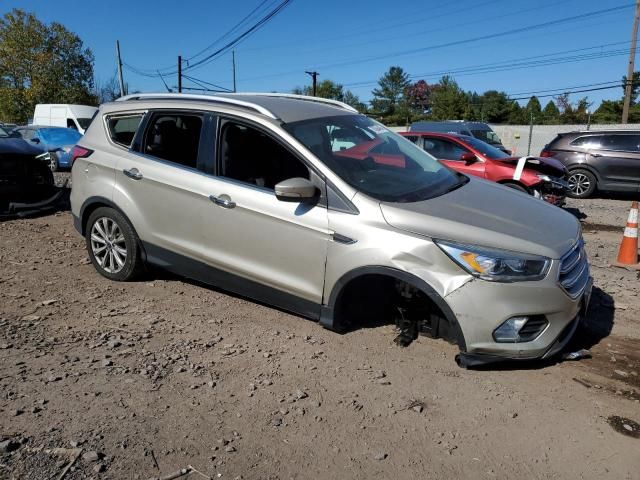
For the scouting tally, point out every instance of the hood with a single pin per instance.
(546, 165)
(490, 215)
(18, 146)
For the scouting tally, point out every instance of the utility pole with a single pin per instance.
(122, 92)
(314, 75)
(180, 73)
(233, 56)
(632, 56)
(530, 134)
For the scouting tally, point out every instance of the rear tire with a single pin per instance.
(53, 164)
(113, 245)
(517, 186)
(582, 183)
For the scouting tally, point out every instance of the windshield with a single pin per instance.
(60, 136)
(488, 136)
(374, 160)
(487, 150)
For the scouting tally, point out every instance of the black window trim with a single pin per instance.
(137, 145)
(130, 113)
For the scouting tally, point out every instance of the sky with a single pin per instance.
(515, 46)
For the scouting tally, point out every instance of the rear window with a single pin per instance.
(60, 136)
(623, 143)
(123, 128)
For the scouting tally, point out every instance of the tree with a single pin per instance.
(533, 107)
(334, 91)
(551, 114)
(609, 111)
(107, 91)
(449, 101)
(495, 107)
(635, 85)
(41, 63)
(418, 96)
(517, 114)
(389, 99)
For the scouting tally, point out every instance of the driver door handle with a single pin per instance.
(222, 201)
(133, 173)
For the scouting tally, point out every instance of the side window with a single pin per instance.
(71, 124)
(123, 128)
(27, 133)
(591, 141)
(444, 149)
(250, 156)
(412, 138)
(623, 143)
(174, 137)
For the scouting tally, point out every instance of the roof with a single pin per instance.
(599, 132)
(284, 107)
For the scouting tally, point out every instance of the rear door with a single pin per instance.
(450, 153)
(618, 159)
(161, 186)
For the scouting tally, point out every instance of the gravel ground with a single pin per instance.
(140, 380)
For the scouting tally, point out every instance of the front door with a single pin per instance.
(248, 231)
(617, 159)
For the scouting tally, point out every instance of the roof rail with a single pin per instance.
(206, 98)
(308, 98)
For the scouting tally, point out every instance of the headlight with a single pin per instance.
(544, 178)
(496, 265)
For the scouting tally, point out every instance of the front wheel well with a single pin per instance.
(383, 297)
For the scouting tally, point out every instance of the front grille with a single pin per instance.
(533, 328)
(574, 270)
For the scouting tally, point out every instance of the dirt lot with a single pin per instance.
(140, 380)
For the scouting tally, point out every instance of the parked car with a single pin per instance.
(26, 184)
(598, 160)
(543, 178)
(245, 192)
(58, 141)
(479, 130)
(64, 115)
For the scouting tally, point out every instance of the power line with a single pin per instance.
(480, 38)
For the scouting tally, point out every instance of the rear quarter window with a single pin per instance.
(122, 128)
(590, 141)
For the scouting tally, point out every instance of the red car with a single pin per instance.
(544, 178)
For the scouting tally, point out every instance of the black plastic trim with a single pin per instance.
(200, 271)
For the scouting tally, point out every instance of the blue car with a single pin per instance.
(57, 140)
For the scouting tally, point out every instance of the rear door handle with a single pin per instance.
(595, 154)
(133, 173)
(223, 201)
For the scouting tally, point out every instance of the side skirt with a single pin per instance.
(201, 272)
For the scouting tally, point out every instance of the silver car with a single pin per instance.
(307, 205)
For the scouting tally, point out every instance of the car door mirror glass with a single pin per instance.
(295, 190)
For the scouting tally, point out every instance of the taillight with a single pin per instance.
(79, 152)
(546, 153)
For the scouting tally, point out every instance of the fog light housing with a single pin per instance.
(520, 329)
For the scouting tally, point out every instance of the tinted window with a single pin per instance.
(411, 138)
(488, 136)
(624, 143)
(174, 137)
(403, 173)
(250, 156)
(123, 128)
(71, 123)
(591, 141)
(443, 149)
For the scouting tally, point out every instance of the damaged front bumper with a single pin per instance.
(478, 300)
(553, 191)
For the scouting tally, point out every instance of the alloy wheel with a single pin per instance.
(579, 183)
(108, 245)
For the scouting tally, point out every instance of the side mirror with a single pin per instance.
(295, 190)
(468, 158)
(35, 140)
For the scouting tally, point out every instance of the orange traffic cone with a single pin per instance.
(628, 254)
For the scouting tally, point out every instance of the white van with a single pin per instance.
(77, 117)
